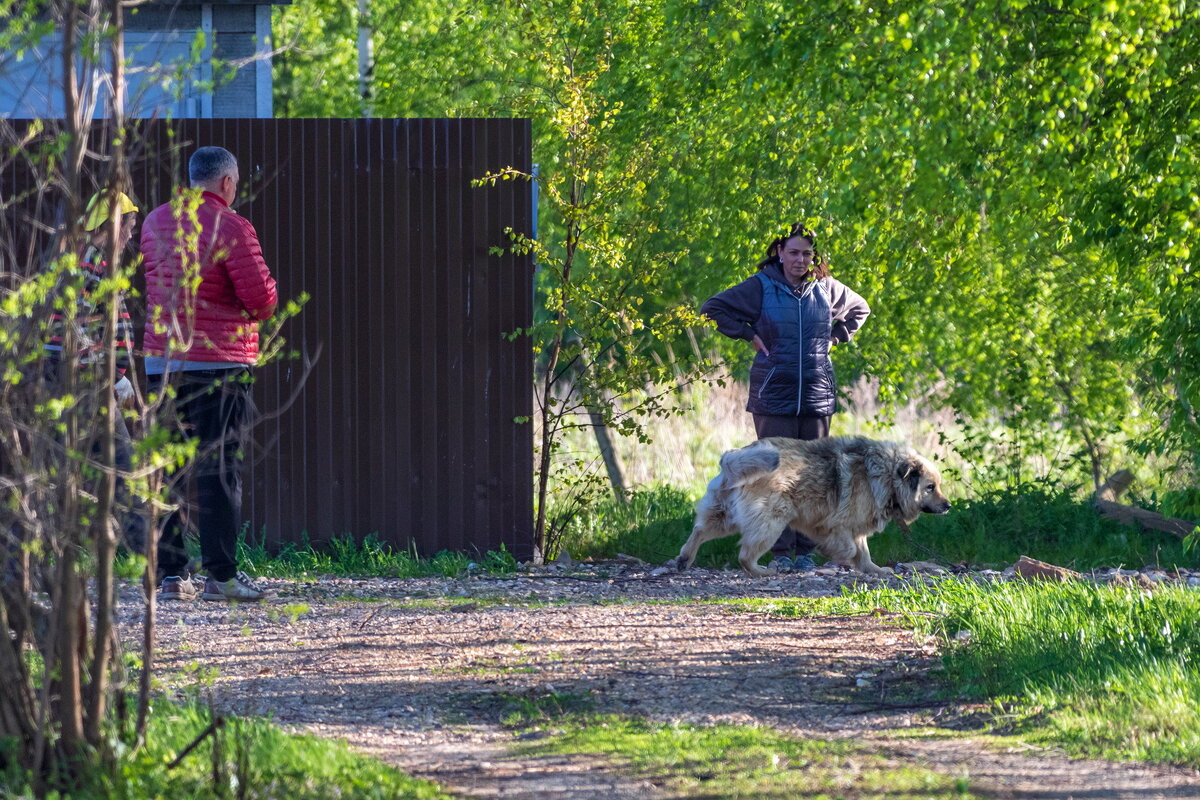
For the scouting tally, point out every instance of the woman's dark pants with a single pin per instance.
(791, 541)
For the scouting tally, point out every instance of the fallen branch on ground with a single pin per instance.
(1105, 501)
(1033, 569)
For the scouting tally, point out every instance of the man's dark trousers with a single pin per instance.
(214, 406)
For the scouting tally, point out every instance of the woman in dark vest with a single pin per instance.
(792, 313)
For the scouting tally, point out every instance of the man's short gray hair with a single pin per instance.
(209, 164)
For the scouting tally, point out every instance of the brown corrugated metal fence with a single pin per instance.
(405, 425)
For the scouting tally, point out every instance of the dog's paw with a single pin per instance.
(679, 564)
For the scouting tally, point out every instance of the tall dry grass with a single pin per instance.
(684, 449)
(977, 459)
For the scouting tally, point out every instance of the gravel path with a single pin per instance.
(415, 671)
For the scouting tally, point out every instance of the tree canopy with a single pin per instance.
(1011, 184)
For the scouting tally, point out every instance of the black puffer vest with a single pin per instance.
(796, 379)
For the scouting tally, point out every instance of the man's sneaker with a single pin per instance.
(239, 587)
(781, 564)
(803, 563)
(174, 587)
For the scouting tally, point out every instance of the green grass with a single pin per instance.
(653, 525)
(1097, 669)
(254, 760)
(530, 709)
(723, 761)
(1040, 520)
(1043, 521)
(345, 555)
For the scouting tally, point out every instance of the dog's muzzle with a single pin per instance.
(941, 508)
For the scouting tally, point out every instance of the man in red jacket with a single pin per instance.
(207, 288)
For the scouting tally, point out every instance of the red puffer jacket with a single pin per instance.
(216, 320)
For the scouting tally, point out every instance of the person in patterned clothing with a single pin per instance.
(81, 329)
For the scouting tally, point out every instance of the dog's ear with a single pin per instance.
(910, 471)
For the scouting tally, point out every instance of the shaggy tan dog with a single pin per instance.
(838, 491)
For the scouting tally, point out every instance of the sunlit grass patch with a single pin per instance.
(728, 761)
(1105, 670)
(1150, 713)
(237, 758)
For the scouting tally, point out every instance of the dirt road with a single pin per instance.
(414, 672)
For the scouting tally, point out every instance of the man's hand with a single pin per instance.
(126, 396)
(759, 346)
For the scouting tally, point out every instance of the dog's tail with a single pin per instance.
(738, 466)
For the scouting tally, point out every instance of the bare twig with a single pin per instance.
(217, 722)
